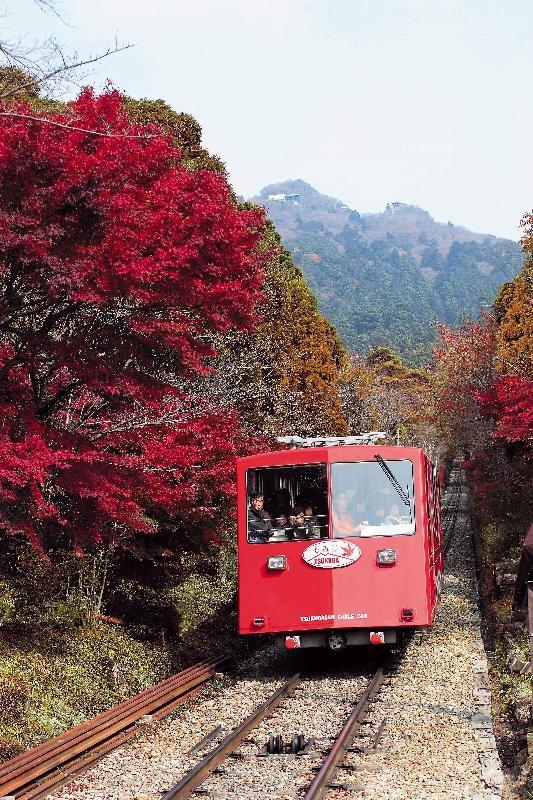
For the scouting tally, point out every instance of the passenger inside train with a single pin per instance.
(296, 503)
(372, 498)
(368, 498)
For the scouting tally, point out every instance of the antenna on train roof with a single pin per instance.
(332, 441)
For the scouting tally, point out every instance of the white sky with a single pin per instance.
(421, 101)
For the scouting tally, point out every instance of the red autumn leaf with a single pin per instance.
(116, 264)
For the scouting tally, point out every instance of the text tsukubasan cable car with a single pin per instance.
(339, 542)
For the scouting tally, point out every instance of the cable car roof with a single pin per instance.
(332, 441)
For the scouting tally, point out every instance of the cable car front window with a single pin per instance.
(287, 503)
(367, 502)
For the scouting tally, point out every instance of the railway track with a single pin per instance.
(335, 757)
(450, 512)
(37, 772)
(41, 771)
(211, 763)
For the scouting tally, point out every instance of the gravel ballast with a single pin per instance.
(438, 741)
(429, 734)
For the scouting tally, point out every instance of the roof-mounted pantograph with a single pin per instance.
(332, 441)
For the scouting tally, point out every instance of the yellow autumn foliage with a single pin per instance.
(514, 316)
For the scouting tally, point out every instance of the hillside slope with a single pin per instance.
(384, 278)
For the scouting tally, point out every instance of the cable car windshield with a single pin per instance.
(371, 498)
(287, 503)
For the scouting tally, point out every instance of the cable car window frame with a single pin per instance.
(291, 532)
(371, 531)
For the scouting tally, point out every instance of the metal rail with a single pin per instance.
(35, 773)
(324, 777)
(451, 513)
(192, 779)
(199, 773)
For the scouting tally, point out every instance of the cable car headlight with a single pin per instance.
(386, 557)
(277, 562)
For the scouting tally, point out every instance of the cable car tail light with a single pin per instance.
(259, 622)
(277, 562)
(377, 637)
(386, 558)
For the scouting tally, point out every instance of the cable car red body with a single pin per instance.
(329, 586)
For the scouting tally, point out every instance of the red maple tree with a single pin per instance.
(509, 401)
(115, 263)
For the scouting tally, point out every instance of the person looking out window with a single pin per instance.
(259, 523)
(345, 511)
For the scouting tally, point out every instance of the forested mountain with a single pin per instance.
(383, 279)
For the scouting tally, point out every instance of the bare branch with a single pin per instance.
(42, 62)
(81, 130)
(49, 7)
(10, 54)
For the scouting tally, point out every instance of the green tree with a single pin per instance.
(285, 376)
(184, 128)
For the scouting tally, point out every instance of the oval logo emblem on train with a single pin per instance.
(329, 554)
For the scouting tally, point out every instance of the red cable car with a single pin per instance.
(339, 541)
